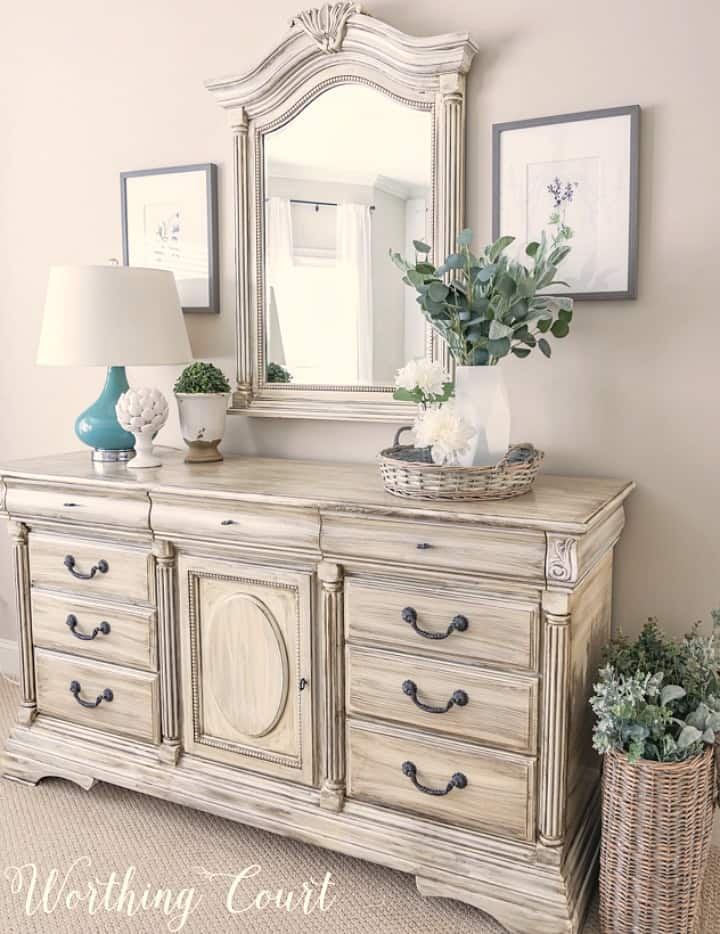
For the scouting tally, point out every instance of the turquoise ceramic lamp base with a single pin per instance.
(98, 426)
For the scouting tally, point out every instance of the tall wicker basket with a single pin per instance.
(657, 822)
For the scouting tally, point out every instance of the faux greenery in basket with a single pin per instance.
(202, 377)
(657, 698)
(487, 305)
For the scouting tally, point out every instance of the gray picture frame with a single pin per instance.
(633, 111)
(210, 170)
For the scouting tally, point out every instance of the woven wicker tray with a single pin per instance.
(408, 471)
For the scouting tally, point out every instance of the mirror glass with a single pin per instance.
(348, 178)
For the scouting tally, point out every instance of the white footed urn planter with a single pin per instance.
(202, 424)
(481, 399)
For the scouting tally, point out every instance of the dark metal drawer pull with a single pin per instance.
(228, 522)
(459, 624)
(107, 696)
(70, 505)
(103, 628)
(102, 566)
(458, 780)
(423, 545)
(458, 698)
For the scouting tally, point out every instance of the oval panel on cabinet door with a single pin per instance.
(244, 647)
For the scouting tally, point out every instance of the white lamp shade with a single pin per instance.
(112, 316)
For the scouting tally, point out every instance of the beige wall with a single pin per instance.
(88, 89)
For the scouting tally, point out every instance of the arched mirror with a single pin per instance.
(349, 142)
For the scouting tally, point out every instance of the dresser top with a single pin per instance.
(556, 503)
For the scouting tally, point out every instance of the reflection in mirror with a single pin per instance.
(346, 179)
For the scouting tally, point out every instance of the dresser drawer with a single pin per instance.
(498, 710)
(240, 523)
(96, 568)
(129, 510)
(492, 552)
(489, 791)
(405, 616)
(89, 629)
(132, 707)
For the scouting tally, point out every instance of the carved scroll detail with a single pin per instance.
(561, 561)
(326, 24)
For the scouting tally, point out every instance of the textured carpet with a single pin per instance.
(110, 830)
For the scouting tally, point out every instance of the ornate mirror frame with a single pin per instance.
(336, 44)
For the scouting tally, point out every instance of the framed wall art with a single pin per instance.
(575, 177)
(169, 221)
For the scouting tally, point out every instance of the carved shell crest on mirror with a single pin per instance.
(348, 141)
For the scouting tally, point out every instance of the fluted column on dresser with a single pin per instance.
(21, 570)
(244, 391)
(450, 203)
(167, 632)
(332, 793)
(555, 717)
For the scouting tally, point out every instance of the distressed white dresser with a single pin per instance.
(282, 643)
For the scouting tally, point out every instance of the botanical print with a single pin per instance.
(162, 234)
(563, 202)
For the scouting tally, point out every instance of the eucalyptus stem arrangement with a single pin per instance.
(487, 305)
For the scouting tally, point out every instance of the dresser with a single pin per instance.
(283, 644)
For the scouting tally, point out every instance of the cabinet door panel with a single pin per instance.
(245, 649)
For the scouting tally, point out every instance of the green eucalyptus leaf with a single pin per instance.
(416, 278)
(545, 347)
(421, 247)
(532, 248)
(502, 243)
(426, 269)
(438, 291)
(499, 330)
(465, 237)
(480, 357)
(544, 326)
(500, 347)
(506, 286)
(521, 352)
(442, 270)
(455, 261)
(560, 328)
(408, 395)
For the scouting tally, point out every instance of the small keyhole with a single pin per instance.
(303, 684)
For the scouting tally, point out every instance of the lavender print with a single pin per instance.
(562, 194)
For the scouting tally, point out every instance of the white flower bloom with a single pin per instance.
(422, 374)
(444, 431)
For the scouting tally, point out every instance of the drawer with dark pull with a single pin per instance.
(101, 696)
(91, 567)
(456, 783)
(91, 629)
(449, 622)
(459, 700)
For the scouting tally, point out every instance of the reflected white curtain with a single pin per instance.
(278, 270)
(354, 263)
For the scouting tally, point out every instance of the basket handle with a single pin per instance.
(396, 442)
(524, 447)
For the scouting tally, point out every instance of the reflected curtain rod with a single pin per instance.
(319, 204)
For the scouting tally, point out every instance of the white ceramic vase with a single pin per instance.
(202, 424)
(481, 399)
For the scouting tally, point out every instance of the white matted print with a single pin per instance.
(169, 222)
(573, 177)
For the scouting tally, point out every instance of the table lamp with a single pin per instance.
(113, 316)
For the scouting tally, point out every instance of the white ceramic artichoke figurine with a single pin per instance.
(143, 412)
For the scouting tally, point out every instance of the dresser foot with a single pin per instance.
(517, 918)
(26, 714)
(17, 767)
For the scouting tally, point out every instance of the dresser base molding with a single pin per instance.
(507, 880)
